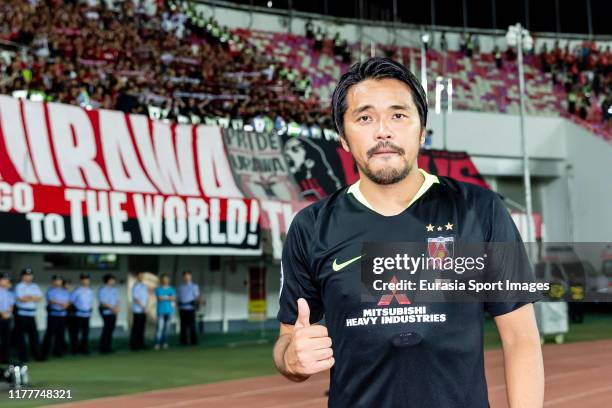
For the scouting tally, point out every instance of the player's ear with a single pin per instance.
(344, 143)
(422, 137)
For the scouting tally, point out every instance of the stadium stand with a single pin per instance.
(174, 64)
(479, 84)
(129, 59)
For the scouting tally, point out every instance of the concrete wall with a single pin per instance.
(494, 134)
(590, 183)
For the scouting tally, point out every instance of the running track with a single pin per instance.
(577, 375)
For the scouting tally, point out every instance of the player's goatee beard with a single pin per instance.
(389, 175)
(386, 176)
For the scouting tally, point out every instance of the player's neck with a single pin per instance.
(391, 199)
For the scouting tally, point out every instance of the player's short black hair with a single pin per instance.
(376, 68)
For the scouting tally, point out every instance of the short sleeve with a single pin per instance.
(508, 261)
(297, 277)
(19, 291)
(37, 291)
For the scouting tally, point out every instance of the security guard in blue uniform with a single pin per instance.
(58, 300)
(27, 295)
(7, 303)
(188, 302)
(82, 300)
(108, 298)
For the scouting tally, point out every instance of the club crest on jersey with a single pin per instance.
(440, 247)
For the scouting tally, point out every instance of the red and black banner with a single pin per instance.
(73, 179)
(456, 165)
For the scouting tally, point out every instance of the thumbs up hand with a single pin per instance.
(303, 318)
(309, 351)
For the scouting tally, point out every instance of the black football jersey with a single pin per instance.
(394, 351)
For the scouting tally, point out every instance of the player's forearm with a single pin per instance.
(524, 373)
(279, 359)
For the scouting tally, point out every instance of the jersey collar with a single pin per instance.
(430, 180)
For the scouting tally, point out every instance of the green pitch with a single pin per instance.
(217, 358)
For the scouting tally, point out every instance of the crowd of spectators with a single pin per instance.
(162, 58)
(585, 73)
(132, 57)
(339, 45)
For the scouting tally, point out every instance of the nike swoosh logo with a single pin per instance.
(337, 266)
